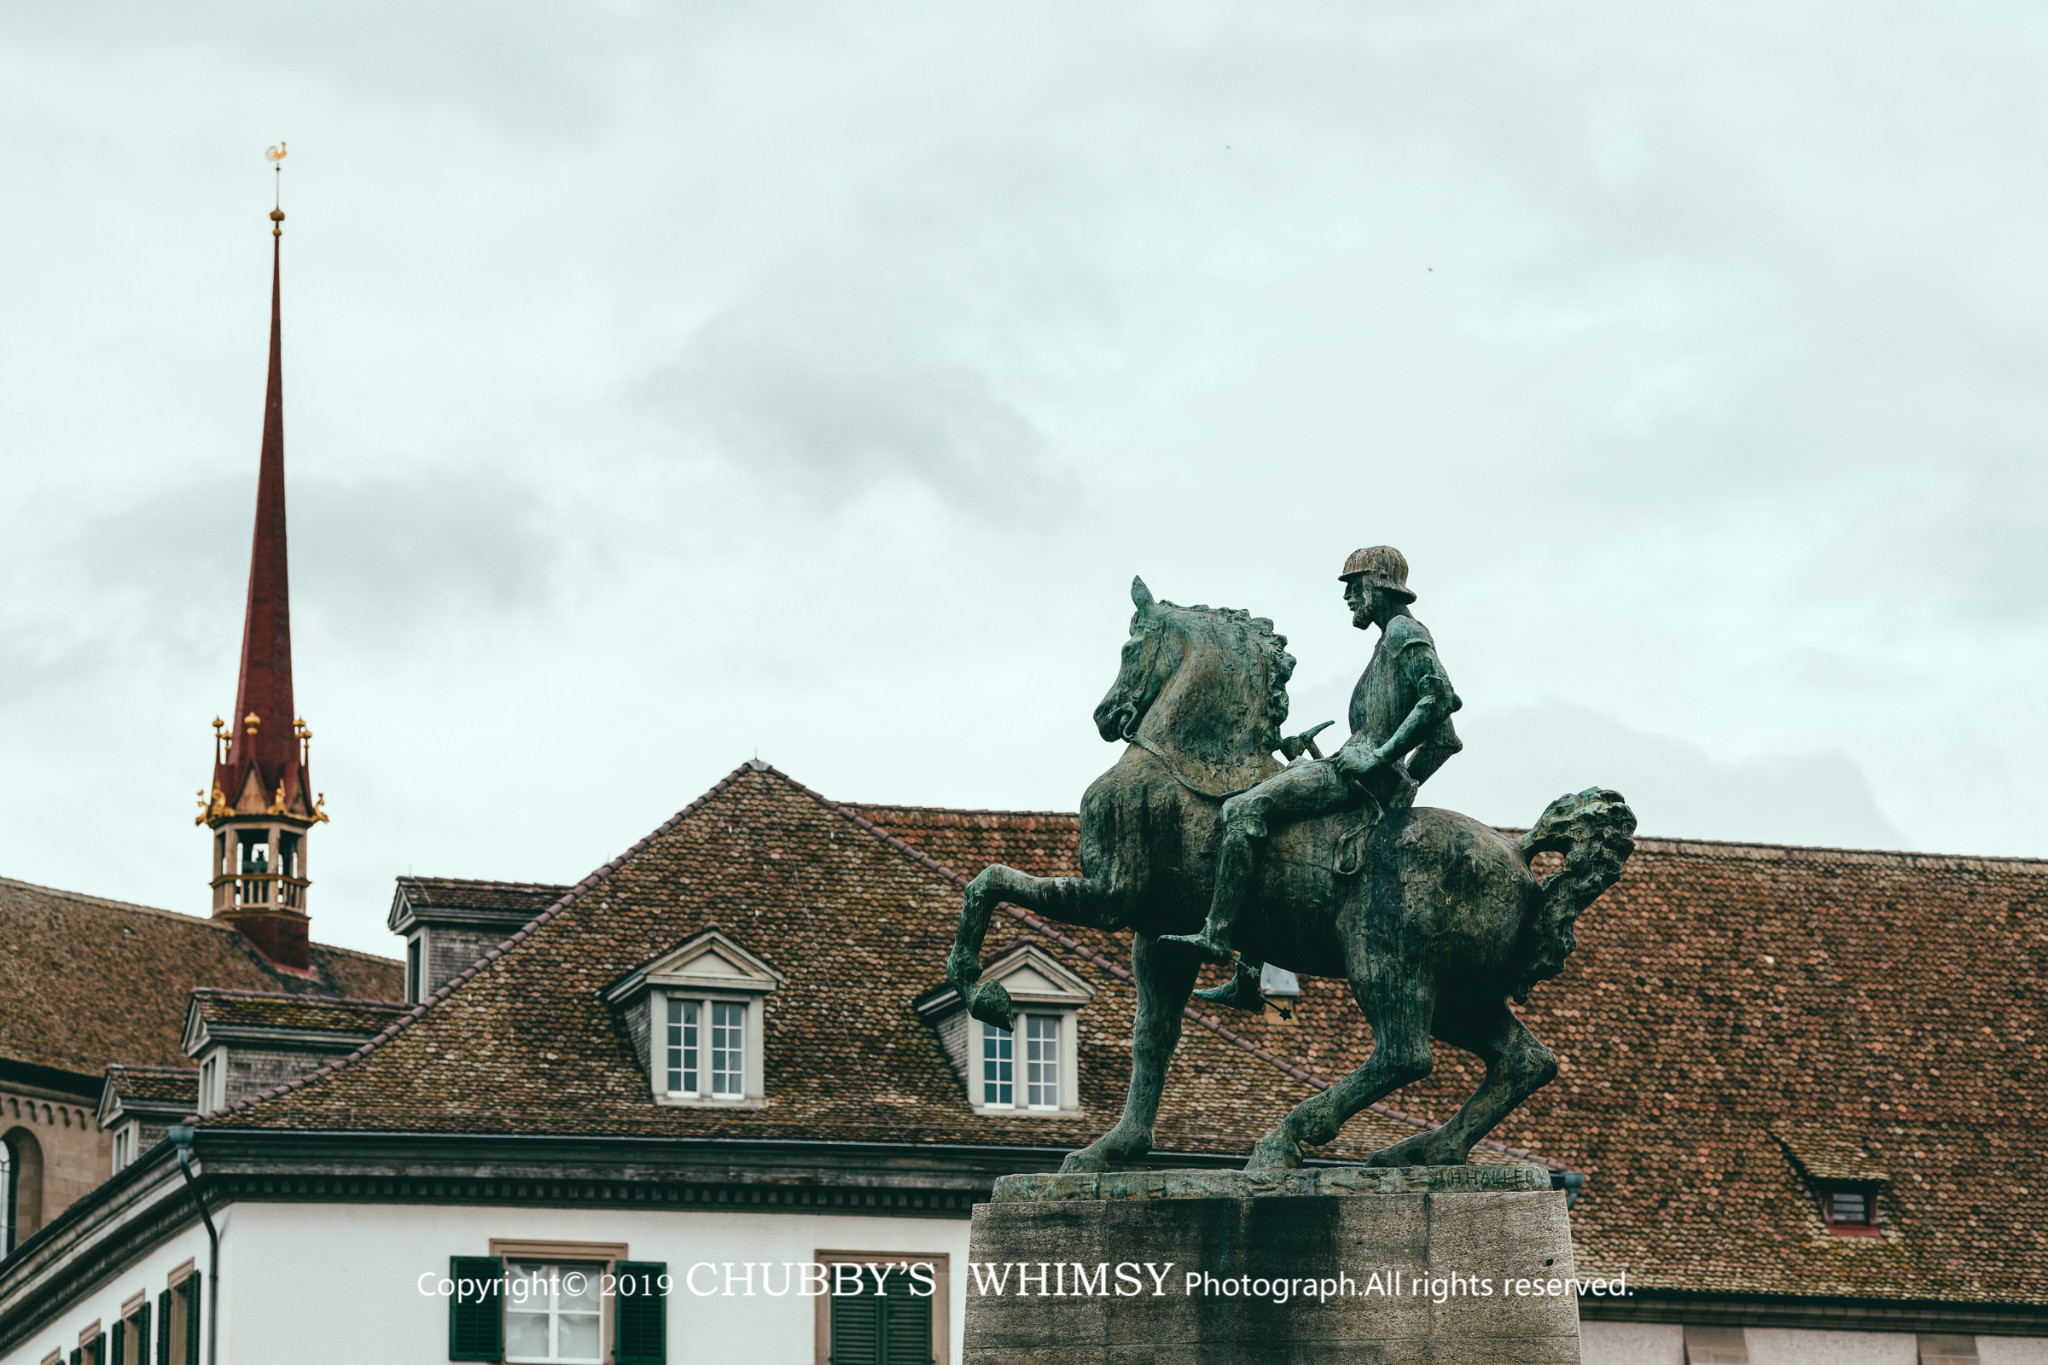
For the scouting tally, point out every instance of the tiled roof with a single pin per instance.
(858, 923)
(1734, 1012)
(461, 893)
(154, 1085)
(969, 840)
(270, 1010)
(86, 981)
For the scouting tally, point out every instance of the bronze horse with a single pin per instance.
(1434, 919)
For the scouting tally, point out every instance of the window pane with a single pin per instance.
(579, 1333)
(1849, 1208)
(1042, 1061)
(682, 1047)
(728, 1050)
(526, 1335)
(554, 1313)
(578, 1292)
(996, 1080)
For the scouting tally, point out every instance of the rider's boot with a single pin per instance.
(1241, 992)
(1243, 821)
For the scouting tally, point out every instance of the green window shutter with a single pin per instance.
(476, 1316)
(163, 1328)
(906, 1323)
(642, 1314)
(120, 1339)
(194, 1282)
(142, 1334)
(77, 1355)
(856, 1329)
(99, 1348)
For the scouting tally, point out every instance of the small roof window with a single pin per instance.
(1840, 1171)
(1850, 1210)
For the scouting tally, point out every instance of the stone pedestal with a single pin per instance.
(1436, 1264)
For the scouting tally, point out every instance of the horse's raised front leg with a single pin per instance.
(1164, 979)
(1399, 1012)
(1517, 1066)
(1070, 900)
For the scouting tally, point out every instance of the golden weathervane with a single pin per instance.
(275, 156)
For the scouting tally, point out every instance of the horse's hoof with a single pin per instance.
(1083, 1162)
(1275, 1153)
(1208, 949)
(989, 1002)
(1233, 994)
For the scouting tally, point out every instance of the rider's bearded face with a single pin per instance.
(1359, 599)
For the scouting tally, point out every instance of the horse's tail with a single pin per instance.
(1592, 830)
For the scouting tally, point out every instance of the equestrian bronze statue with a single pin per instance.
(1209, 848)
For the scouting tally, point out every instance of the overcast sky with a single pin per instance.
(667, 384)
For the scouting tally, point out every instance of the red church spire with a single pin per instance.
(263, 726)
(262, 806)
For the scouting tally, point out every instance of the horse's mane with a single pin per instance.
(1253, 636)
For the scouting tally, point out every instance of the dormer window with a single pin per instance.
(1028, 1070)
(212, 1087)
(124, 1147)
(247, 1042)
(416, 968)
(707, 1049)
(1031, 1081)
(998, 1068)
(1850, 1210)
(696, 1018)
(1841, 1175)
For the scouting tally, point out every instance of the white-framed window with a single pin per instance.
(998, 1068)
(124, 1146)
(554, 1313)
(209, 1083)
(728, 1050)
(7, 1197)
(706, 1048)
(1040, 1082)
(685, 1028)
(1042, 1061)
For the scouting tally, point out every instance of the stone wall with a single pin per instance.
(74, 1156)
(1422, 1265)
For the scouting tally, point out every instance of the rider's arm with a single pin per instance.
(1434, 703)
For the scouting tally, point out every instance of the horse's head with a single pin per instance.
(1232, 669)
(1151, 656)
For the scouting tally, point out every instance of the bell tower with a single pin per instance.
(261, 807)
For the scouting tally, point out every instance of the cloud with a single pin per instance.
(1515, 764)
(375, 556)
(824, 424)
(437, 539)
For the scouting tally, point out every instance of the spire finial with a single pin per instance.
(275, 156)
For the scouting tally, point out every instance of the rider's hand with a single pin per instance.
(1294, 746)
(1357, 762)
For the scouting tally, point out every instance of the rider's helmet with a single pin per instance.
(1381, 566)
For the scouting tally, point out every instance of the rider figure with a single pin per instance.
(1400, 734)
